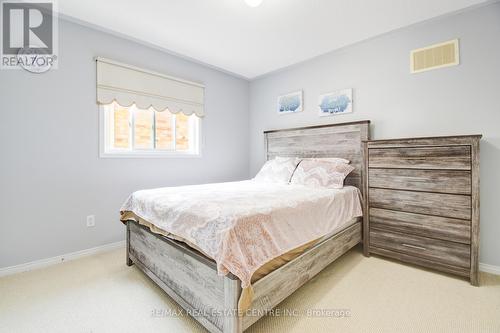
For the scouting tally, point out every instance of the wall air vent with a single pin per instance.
(435, 56)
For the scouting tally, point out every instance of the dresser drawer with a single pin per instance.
(441, 251)
(422, 225)
(440, 181)
(438, 204)
(452, 157)
(462, 271)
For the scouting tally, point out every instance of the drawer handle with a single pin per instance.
(414, 247)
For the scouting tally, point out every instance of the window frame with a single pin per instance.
(105, 136)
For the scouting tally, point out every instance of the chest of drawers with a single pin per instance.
(422, 203)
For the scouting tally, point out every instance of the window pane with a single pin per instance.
(164, 130)
(121, 127)
(143, 127)
(181, 131)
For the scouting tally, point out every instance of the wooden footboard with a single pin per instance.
(191, 279)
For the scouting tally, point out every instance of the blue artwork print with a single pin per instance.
(290, 103)
(336, 103)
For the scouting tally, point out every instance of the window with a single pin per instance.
(139, 130)
(134, 132)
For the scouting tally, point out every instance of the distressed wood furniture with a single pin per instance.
(423, 202)
(191, 279)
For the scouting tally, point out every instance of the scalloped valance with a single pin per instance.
(127, 85)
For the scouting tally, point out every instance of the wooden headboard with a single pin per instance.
(334, 140)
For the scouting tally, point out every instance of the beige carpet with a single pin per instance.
(101, 294)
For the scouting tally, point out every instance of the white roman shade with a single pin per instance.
(127, 84)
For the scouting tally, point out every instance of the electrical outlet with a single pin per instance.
(91, 221)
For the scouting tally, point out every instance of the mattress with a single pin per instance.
(248, 228)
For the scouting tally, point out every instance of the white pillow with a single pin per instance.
(321, 174)
(328, 159)
(278, 170)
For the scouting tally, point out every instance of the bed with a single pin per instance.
(189, 274)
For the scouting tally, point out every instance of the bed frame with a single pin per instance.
(191, 279)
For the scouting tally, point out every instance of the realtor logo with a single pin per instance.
(29, 36)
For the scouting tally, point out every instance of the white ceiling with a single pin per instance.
(250, 42)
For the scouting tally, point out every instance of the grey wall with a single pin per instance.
(456, 100)
(51, 176)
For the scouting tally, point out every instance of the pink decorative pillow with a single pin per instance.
(326, 174)
(278, 170)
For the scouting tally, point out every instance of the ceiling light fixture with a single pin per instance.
(253, 3)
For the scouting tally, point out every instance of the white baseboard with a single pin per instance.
(59, 259)
(489, 268)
